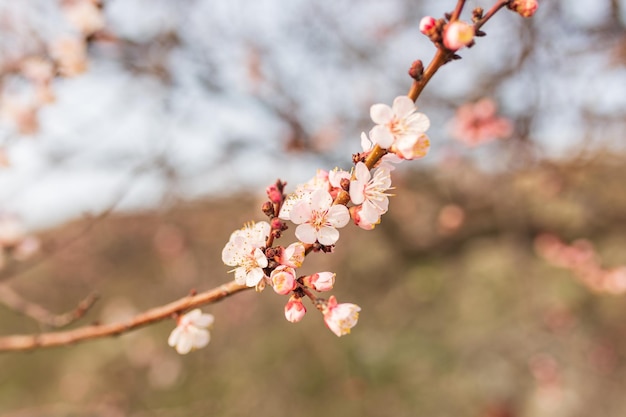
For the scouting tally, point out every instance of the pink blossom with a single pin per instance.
(370, 191)
(388, 161)
(457, 34)
(318, 219)
(340, 318)
(303, 193)
(355, 213)
(71, 55)
(243, 251)
(478, 123)
(321, 281)
(526, 8)
(293, 255)
(283, 279)
(408, 147)
(11, 231)
(427, 25)
(85, 16)
(399, 122)
(191, 333)
(294, 309)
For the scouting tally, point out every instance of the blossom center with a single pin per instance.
(318, 219)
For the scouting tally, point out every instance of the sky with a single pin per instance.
(119, 135)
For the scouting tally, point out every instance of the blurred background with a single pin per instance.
(136, 135)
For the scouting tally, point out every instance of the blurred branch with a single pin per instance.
(15, 302)
(44, 340)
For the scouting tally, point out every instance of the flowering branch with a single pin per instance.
(318, 208)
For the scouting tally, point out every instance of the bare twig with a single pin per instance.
(17, 303)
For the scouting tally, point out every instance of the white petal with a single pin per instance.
(260, 258)
(328, 235)
(366, 144)
(362, 172)
(201, 338)
(381, 136)
(338, 215)
(306, 233)
(174, 336)
(185, 343)
(240, 275)
(204, 321)
(357, 194)
(300, 213)
(418, 122)
(381, 114)
(254, 277)
(321, 200)
(403, 106)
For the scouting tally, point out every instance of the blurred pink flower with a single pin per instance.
(478, 123)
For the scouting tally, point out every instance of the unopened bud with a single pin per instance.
(526, 8)
(427, 25)
(268, 209)
(274, 193)
(294, 309)
(417, 70)
(457, 35)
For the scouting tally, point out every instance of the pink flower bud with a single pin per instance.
(274, 194)
(293, 255)
(427, 25)
(283, 279)
(322, 281)
(340, 318)
(526, 8)
(458, 34)
(294, 309)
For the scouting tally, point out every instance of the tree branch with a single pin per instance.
(45, 340)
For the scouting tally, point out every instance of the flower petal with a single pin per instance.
(338, 216)
(328, 235)
(381, 136)
(306, 233)
(201, 338)
(174, 336)
(403, 106)
(185, 344)
(381, 114)
(320, 200)
(204, 321)
(357, 192)
(301, 212)
(419, 122)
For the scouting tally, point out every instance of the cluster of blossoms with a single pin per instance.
(318, 208)
(478, 123)
(581, 258)
(28, 77)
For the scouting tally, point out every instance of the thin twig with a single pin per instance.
(17, 303)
